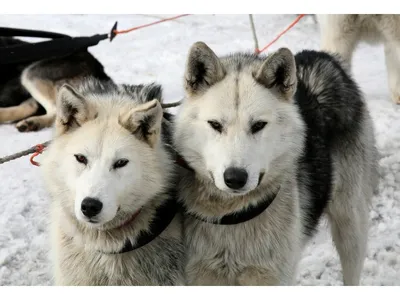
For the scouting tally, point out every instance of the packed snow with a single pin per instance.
(158, 54)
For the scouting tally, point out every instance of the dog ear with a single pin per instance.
(203, 69)
(279, 72)
(72, 108)
(144, 121)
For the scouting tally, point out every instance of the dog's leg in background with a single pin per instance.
(392, 59)
(44, 91)
(16, 113)
(348, 215)
(36, 123)
(338, 35)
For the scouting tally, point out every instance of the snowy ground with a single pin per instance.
(158, 53)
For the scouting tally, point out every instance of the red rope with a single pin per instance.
(39, 150)
(149, 24)
(282, 33)
(184, 15)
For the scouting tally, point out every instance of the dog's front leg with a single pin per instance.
(198, 274)
(392, 58)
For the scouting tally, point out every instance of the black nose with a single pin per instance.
(235, 178)
(91, 207)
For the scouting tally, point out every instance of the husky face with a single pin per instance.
(109, 160)
(238, 117)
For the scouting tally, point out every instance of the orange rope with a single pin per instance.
(39, 150)
(149, 24)
(282, 33)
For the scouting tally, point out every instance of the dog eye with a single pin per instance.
(258, 126)
(215, 125)
(120, 163)
(81, 159)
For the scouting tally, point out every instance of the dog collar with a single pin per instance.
(243, 215)
(163, 217)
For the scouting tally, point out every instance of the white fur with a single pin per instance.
(237, 147)
(105, 134)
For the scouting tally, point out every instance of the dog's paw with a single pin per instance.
(27, 126)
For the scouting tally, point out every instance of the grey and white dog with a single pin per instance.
(341, 34)
(111, 178)
(274, 143)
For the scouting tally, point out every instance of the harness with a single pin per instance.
(60, 45)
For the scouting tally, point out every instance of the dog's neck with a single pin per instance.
(163, 216)
(247, 213)
(241, 216)
(130, 220)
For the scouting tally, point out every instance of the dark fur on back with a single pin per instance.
(331, 105)
(140, 93)
(144, 93)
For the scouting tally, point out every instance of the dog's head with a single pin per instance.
(106, 160)
(238, 117)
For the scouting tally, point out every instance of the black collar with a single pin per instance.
(243, 215)
(163, 217)
(234, 218)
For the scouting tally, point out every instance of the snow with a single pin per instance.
(158, 53)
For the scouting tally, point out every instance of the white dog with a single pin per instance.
(111, 180)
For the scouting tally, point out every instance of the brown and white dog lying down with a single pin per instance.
(28, 91)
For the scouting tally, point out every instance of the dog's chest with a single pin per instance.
(231, 245)
(155, 264)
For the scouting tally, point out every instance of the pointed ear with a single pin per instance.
(203, 69)
(72, 108)
(279, 72)
(144, 121)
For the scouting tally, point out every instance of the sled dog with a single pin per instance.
(111, 178)
(274, 142)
